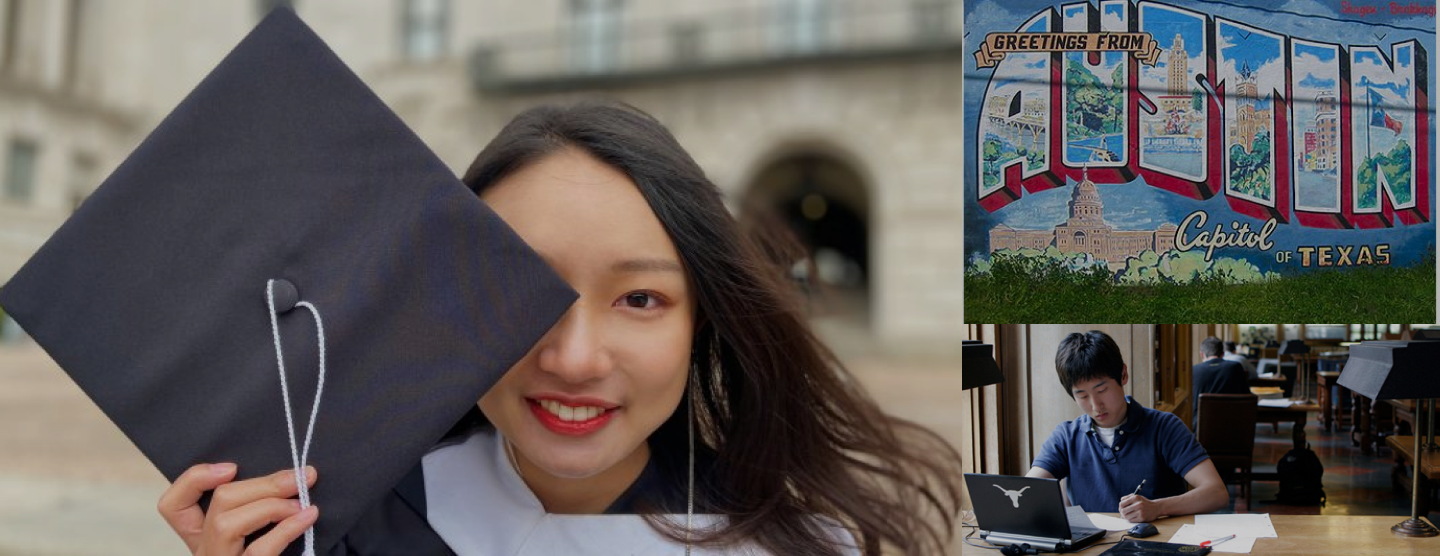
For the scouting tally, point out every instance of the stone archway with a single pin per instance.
(825, 203)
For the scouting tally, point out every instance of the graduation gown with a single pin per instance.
(466, 499)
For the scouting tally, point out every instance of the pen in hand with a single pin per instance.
(1137, 488)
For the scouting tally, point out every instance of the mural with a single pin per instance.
(1164, 139)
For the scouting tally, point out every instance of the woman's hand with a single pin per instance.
(236, 510)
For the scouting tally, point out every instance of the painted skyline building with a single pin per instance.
(1085, 231)
(1250, 118)
(1177, 97)
(1322, 136)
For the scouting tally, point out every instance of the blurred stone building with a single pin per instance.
(842, 117)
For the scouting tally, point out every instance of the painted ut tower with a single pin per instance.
(1179, 65)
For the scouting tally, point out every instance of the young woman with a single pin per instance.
(684, 380)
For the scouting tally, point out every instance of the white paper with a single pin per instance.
(1243, 525)
(1275, 403)
(1110, 523)
(1190, 534)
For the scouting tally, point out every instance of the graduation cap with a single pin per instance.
(283, 166)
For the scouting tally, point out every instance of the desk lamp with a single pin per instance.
(977, 368)
(1294, 348)
(977, 365)
(1396, 370)
(1426, 334)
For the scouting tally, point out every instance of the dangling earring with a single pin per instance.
(694, 390)
(690, 481)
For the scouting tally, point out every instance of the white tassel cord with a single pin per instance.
(298, 457)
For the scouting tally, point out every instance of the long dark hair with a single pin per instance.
(791, 434)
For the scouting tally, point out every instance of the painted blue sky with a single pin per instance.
(1401, 90)
(1374, 72)
(1312, 82)
(1366, 56)
(1164, 24)
(1249, 47)
(1005, 83)
(1277, 9)
(1315, 69)
(1324, 54)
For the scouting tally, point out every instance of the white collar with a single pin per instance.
(480, 506)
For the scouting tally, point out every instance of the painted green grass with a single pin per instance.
(1014, 293)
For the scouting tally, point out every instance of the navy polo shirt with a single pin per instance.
(1151, 445)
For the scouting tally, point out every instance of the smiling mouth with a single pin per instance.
(570, 414)
(570, 420)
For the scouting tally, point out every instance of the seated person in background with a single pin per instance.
(1230, 355)
(1118, 443)
(1216, 376)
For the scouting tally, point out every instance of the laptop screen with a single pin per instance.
(1018, 505)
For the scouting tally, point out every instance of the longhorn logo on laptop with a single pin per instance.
(1013, 494)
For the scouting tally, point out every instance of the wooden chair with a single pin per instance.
(1227, 432)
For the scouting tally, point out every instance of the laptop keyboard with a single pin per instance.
(1078, 532)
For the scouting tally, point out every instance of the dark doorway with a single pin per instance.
(824, 203)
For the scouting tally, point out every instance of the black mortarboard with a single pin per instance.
(283, 165)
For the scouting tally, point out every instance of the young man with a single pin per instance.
(1119, 445)
(1230, 355)
(1215, 375)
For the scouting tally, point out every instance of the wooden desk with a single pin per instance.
(1276, 381)
(1404, 447)
(1309, 535)
(1295, 414)
(1328, 414)
(1369, 418)
(1262, 388)
(1283, 375)
(1405, 415)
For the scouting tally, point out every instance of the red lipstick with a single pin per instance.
(570, 428)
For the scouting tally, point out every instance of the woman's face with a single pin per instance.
(614, 367)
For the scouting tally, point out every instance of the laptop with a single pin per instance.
(1025, 510)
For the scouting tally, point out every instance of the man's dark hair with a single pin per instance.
(1229, 347)
(1088, 356)
(1210, 347)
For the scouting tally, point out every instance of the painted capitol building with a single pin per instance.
(1086, 232)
